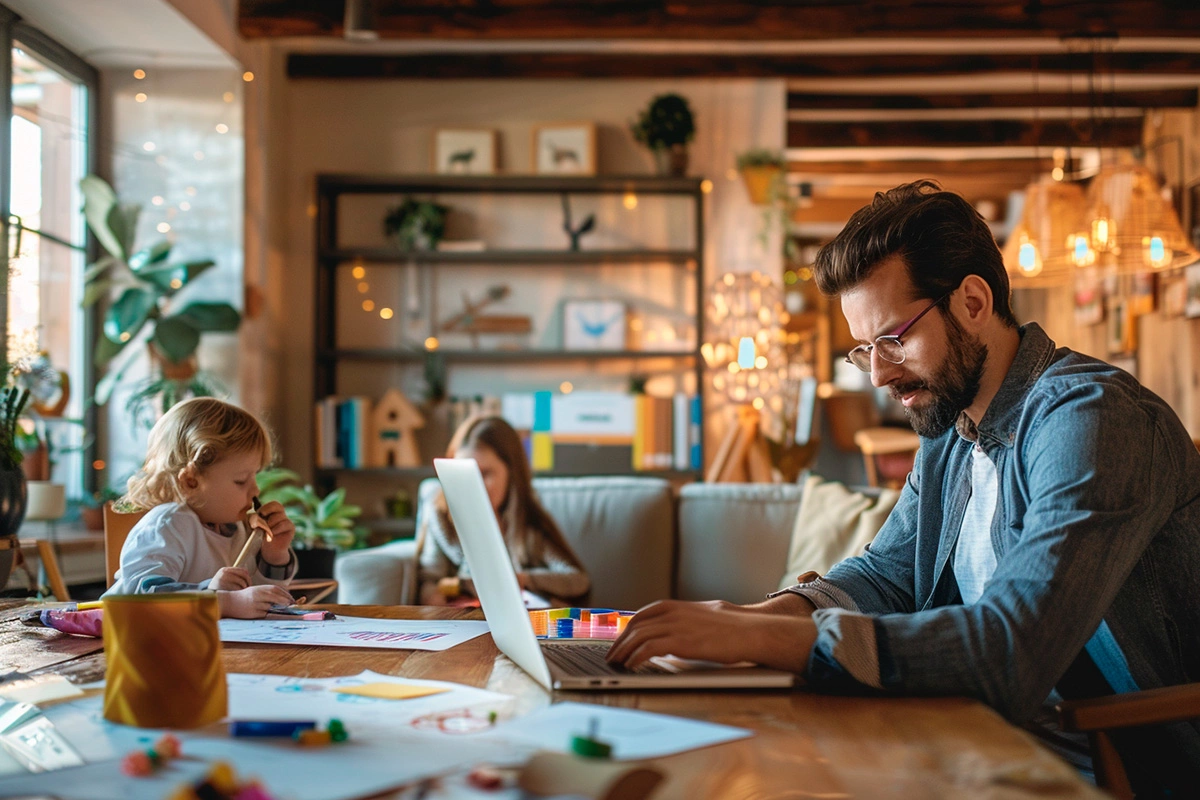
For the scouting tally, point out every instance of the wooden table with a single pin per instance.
(806, 745)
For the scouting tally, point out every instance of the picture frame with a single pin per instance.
(1191, 276)
(594, 325)
(564, 148)
(1174, 295)
(464, 151)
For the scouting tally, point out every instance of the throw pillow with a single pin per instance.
(833, 523)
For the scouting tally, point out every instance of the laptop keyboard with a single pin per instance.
(588, 659)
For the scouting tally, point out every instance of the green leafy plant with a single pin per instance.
(761, 157)
(12, 404)
(320, 521)
(666, 122)
(416, 225)
(148, 283)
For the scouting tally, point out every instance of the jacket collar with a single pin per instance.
(999, 423)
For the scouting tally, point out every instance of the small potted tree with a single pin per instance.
(667, 126)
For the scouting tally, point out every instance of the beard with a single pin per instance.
(954, 386)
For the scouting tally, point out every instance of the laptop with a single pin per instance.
(563, 664)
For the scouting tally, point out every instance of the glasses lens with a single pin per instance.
(890, 350)
(861, 358)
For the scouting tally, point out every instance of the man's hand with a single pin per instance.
(277, 539)
(230, 579)
(715, 631)
(252, 602)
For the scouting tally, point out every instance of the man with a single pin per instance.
(1048, 537)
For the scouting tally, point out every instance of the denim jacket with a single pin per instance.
(1097, 539)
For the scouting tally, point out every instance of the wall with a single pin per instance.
(387, 127)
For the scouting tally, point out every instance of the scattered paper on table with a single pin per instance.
(391, 691)
(40, 689)
(393, 634)
(632, 733)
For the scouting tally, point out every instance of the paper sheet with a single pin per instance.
(393, 634)
(633, 734)
(388, 746)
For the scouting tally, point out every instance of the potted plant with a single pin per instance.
(416, 225)
(324, 525)
(91, 507)
(12, 480)
(666, 126)
(147, 307)
(762, 173)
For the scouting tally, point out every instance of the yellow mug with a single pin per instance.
(164, 665)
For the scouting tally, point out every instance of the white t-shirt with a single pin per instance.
(974, 556)
(170, 549)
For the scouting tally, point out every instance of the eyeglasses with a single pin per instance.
(889, 347)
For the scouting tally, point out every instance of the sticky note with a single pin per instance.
(392, 691)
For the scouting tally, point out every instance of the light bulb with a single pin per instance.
(1155, 252)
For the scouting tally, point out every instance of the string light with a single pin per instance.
(140, 97)
(139, 74)
(247, 76)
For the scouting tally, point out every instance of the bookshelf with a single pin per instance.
(348, 221)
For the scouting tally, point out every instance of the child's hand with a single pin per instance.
(252, 602)
(230, 579)
(276, 544)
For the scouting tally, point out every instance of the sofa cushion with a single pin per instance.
(833, 523)
(733, 539)
(622, 528)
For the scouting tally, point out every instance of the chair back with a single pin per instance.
(116, 529)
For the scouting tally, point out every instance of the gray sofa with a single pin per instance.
(639, 539)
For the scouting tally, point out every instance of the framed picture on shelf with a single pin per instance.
(464, 151)
(1191, 277)
(593, 325)
(565, 148)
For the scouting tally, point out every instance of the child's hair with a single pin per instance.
(197, 432)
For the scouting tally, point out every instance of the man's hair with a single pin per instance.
(940, 237)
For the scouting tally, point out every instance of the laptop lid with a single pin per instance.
(491, 568)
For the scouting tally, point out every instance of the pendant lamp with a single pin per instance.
(1051, 238)
(1131, 225)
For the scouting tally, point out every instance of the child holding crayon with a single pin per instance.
(198, 486)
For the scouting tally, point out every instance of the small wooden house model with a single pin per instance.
(394, 422)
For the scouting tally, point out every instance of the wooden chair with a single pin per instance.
(888, 454)
(117, 527)
(1098, 716)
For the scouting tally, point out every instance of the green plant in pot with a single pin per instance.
(12, 480)
(667, 126)
(762, 173)
(324, 525)
(416, 225)
(152, 304)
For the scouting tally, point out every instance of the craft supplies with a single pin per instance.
(287, 729)
(579, 623)
(140, 763)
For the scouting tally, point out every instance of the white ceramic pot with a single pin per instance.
(46, 500)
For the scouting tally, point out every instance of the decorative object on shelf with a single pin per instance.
(472, 322)
(49, 387)
(762, 174)
(666, 126)
(464, 152)
(587, 226)
(593, 325)
(12, 480)
(394, 422)
(1192, 277)
(565, 148)
(148, 285)
(416, 225)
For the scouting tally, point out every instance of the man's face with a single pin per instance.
(943, 364)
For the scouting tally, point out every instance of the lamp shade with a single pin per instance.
(1131, 225)
(1050, 239)
(47, 501)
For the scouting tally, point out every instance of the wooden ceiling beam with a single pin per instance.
(961, 168)
(1157, 98)
(610, 65)
(724, 19)
(964, 133)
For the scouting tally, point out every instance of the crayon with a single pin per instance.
(242, 727)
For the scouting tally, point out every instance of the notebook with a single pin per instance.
(574, 665)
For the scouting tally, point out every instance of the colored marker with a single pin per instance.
(88, 605)
(242, 727)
